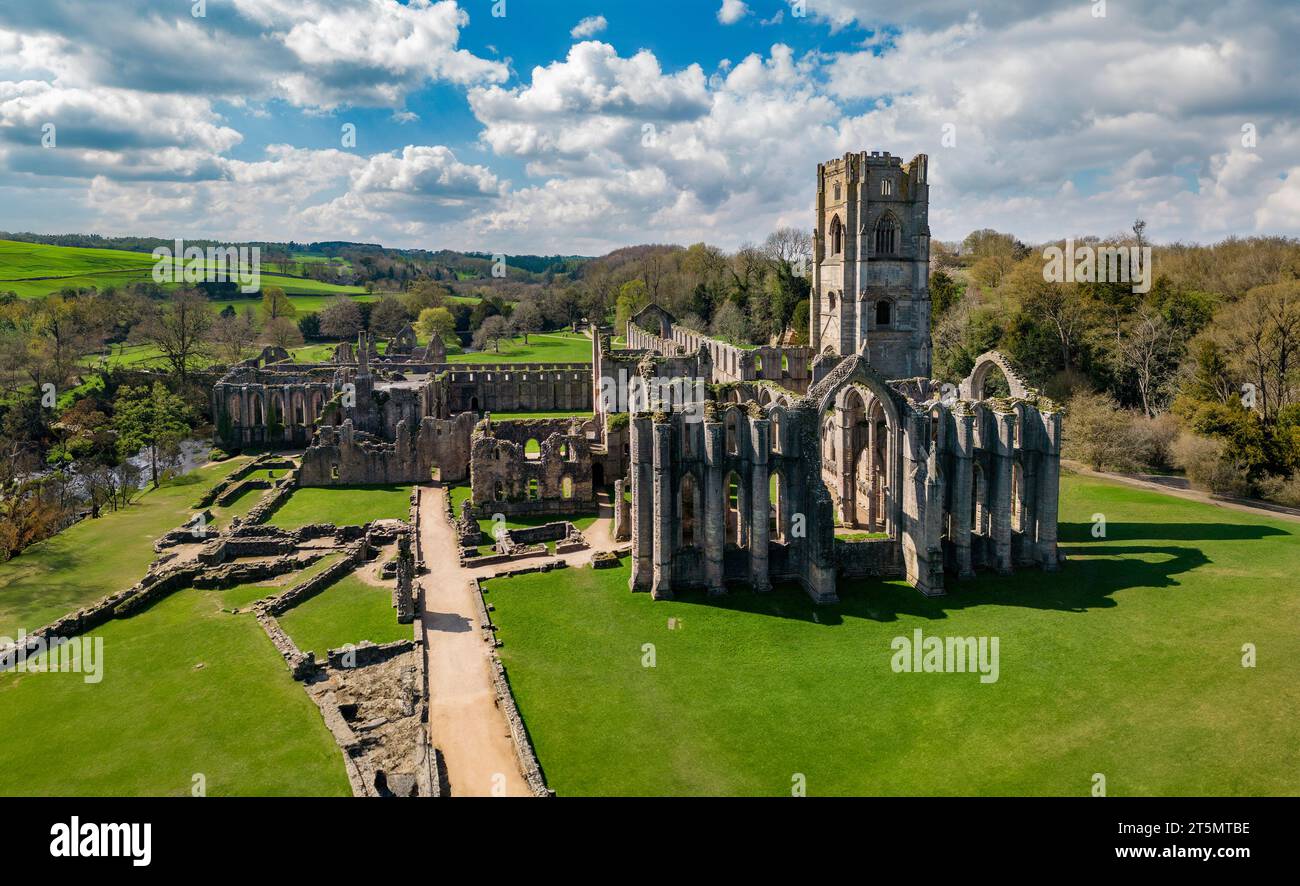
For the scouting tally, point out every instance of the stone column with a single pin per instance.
(642, 503)
(713, 514)
(760, 504)
(1000, 522)
(622, 512)
(1049, 490)
(844, 456)
(665, 512)
(962, 480)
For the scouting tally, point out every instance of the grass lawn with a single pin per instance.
(156, 719)
(523, 416)
(348, 611)
(343, 506)
(1127, 663)
(97, 557)
(542, 347)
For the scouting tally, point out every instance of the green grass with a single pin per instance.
(1127, 663)
(96, 557)
(343, 506)
(544, 347)
(156, 720)
(348, 611)
(519, 416)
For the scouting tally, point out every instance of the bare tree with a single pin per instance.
(181, 329)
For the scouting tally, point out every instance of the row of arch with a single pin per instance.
(735, 505)
(249, 408)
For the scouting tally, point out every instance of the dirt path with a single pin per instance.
(464, 721)
(1177, 487)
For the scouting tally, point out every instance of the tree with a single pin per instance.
(790, 246)
(150, 419)
(232, 337)
(388, 316)
(180, 330)
(729, 324)
(492, 330)
(944, 293)
(526, 318)
(1149, 348)
(282, 333)
(1261, 335)
(276, 304)
(436, 323)
(341, 318)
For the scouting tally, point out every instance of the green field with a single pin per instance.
(1127, 663)
(343, 506)
(186, 690)
(520, 416)
(36, 269)
(348, 611)
(98, 557)
(542, 347)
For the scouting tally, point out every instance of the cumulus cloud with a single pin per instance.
(732, 11)
(589, 27)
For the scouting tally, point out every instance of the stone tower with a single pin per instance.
(871, 259)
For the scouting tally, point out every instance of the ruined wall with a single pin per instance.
(343, 456)
(556, 480)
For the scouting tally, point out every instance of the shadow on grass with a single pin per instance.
(1072, 532)
(1080, 585)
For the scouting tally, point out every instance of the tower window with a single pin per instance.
(884, 312)
(886, 187)
(837, 191)
(837, 236)
(887, 235)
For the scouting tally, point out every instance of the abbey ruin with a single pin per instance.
(751, 465)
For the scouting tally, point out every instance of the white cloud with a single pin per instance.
(732, 11)
(589, 27)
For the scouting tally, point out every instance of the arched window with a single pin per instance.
(884, 312)
(831, 300)
(887, 235)
(837, 236)
(837, 191)
(886, 187)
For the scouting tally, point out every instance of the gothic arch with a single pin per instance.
(972, 388)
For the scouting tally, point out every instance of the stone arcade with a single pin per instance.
(862, 466)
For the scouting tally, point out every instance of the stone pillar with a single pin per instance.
(642, 503)
(760, 504)
(844, 457)
(962, 491)
(622, 512)
(665, 511)
(1049, 490)
(713, 515)
(1000, 522)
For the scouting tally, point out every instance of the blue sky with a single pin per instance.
(584, 126)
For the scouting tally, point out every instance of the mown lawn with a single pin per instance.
(542, 347)
(97, 557)
(1128, 663)
(187, 690)
(348, 611)
(343, 506)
